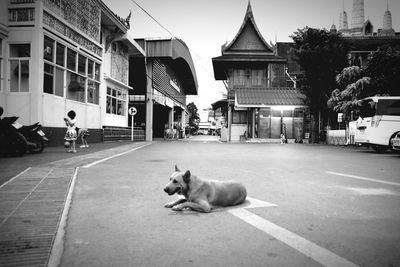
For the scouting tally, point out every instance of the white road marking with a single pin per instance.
(58, 245)
(308, 248)
(15, 177)
(256, 203)
(113, 156)
(363, 178)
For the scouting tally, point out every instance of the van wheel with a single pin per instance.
(380, 149)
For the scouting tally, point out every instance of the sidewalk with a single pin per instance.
(32, 202)
(11, 166)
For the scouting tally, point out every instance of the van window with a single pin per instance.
(388, 107)
(368, 108)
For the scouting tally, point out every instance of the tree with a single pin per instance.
(352, 86)
(381, 76)
(321, 55)
(194, 118)
(384, 69)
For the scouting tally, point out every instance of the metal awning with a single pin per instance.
(134, 49)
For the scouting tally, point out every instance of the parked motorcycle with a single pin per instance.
(16, 139)
(36, 139)
(11, 141)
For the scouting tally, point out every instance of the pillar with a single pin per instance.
(229, 122)
(149, 102)
(183, 123)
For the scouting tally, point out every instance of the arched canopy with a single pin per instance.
(179, 56)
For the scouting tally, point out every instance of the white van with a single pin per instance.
(379, 122)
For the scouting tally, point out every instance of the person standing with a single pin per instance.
(83, 133)
(71, 134)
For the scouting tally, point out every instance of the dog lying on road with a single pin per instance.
(202, 195)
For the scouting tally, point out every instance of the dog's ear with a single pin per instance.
(176, 168)
(186, 177)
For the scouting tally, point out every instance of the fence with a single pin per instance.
(336, 137)
(122, 133)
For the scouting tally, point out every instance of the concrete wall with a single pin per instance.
(336, 137)
(236, 131)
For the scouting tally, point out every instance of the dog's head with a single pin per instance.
(178, 182)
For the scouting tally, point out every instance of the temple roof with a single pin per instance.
(248, 37)
(259, 97)
(247, 49)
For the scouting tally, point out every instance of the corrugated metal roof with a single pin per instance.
(256, 97)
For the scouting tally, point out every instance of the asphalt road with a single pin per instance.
(308, 205)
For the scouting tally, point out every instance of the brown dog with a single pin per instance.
(202, 195)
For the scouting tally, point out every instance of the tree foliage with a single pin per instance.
(321, 55)
(194, 117)
(352, 86)
(381, 76)
(384, 69)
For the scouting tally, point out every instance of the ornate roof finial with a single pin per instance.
(249, 11)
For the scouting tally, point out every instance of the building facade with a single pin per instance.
(61, 55)
(263, 102)
(161, 86)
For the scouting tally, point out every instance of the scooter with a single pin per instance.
(16, 138)
(11, 141)
(35, 137)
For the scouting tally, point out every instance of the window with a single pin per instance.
(71, 59)
(116, 101)
(48, 81)
(82, 64)
(93, 92)
(97, 72)
(90, 68)
(66, 68)
(388, 107)
(238, 77)
(257, 77)
(60, 55)
(239, 117)
(76, 87)
(19, 67)
(48, 48)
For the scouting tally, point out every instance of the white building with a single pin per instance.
(61, 55)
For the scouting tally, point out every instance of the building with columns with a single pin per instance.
(161, 86)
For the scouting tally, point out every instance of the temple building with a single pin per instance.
(361, 35)
(262, 101)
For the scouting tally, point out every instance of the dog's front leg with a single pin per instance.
(176, 202)
(202, 206)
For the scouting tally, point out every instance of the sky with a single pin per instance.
(205, 25)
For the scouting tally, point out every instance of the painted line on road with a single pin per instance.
(362, 178)
(15, 177)
(308, 248)
(58, 245)
(113, 156)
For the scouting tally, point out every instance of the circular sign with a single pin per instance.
(132, 111)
